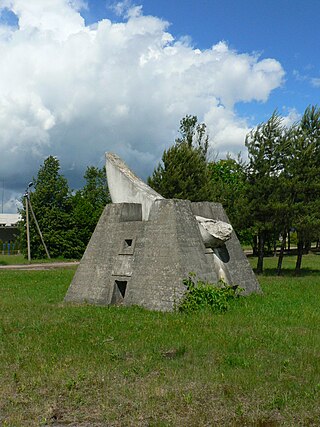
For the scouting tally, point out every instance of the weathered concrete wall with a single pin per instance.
(231, 258)
(135, 262)
(130, 261)
(92, 281)
(170, 249)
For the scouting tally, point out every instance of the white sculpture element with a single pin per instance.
(214, 233)
(126, 187)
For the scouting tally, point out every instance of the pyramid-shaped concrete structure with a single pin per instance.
(144, 246)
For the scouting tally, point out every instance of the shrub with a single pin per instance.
(203, 295)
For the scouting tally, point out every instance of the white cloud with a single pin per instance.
(77, 91)
(315, 81)
(291, 117)
(11, 204)
(59, 18)
(126, 9)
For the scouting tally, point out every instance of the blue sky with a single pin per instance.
(79, 78)
(287, 30)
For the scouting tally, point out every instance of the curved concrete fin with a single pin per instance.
(126, 187)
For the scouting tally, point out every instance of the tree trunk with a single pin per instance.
(299, 257)
(307, 247)
(269, 243)
(289, 241)
(261, 253)
(255, 246)
(281, 254)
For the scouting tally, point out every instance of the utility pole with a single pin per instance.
(38, 228)
(27, 223)
(29, 205)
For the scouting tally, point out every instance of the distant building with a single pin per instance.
(9, 229)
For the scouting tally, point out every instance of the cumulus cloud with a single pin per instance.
(76, 91)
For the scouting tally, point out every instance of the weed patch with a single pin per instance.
(202, 295)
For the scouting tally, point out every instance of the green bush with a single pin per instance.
(202, 295)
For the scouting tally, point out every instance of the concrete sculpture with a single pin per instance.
(145, 245)
(126, 187)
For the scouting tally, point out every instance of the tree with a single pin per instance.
(183, 172)
(66, 220)
(51, 201)
(284, 179)
(265, 150)
(303, 169)
(194, 134)
(228, 181)
(89, 203)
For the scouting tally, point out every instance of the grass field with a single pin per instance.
(12, 259)
(20, 259)
(256, 365)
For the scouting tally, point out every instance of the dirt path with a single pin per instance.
(40, 266)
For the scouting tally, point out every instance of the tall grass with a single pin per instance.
(258, 364)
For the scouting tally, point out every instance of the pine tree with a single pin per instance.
(303, 168)
(265, 150)
(183, 172)
(229, 187)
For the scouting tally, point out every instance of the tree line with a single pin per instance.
(274, 193)
(66, 219)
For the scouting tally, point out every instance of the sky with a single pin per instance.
(79, 78)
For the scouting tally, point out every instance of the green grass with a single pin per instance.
(20, 259)
(12, 259)
(256, 365)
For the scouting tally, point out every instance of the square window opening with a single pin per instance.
(128, 243)
(127, 246)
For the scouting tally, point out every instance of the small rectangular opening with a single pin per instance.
(128, 243)
(119, 291)
(127, 246)
(122, 286)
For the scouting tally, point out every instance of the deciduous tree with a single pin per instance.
(89, 202)
(51, 202)
(66, 220)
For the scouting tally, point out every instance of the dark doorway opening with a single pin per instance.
(119, 291)
(122, 286)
